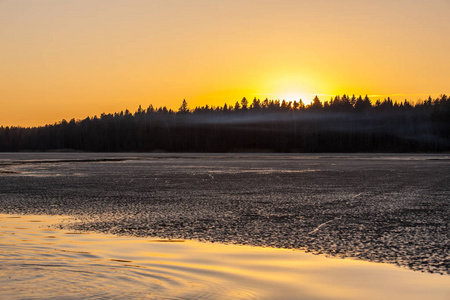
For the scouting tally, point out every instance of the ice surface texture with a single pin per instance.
(381, 208)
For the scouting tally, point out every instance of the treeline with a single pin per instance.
(343, 124)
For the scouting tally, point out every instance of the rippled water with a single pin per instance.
(41, 262)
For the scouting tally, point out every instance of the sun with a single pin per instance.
(295, 96)
(292, 86)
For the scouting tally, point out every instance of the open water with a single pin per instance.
(385, 208)
(38, 261)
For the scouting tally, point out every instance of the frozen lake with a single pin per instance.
(379, 208)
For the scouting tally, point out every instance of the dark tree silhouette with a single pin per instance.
(316, 104)
(344, 124)
(183, 108)
(244, 103)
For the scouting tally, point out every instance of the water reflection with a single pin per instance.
(40, 262)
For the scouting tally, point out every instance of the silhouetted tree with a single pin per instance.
(316, 105)
(244, 103)
(256, 104)
(184, 107)
(335, 126)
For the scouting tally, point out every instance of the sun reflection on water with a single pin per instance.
(42, 262)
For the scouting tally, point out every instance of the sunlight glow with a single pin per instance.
(296, 96)
(292, 86)
(73, 59)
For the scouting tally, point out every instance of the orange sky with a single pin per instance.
(73, 59)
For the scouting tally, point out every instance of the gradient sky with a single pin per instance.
(73, 59)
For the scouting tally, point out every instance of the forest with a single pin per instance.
(342, 124)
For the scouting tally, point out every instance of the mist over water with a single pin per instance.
(346, 125)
